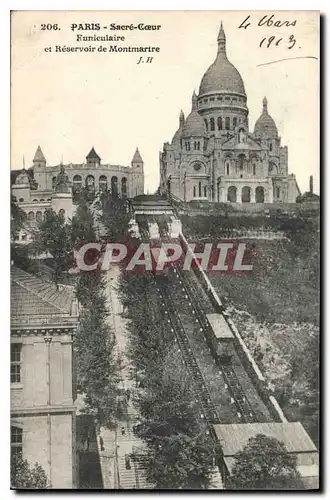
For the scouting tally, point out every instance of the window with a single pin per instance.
(23, 237)
(227, 123)
(219, 123)
(227, 98)
(15, 363)
(212, 126)
(187, 146)
(53, 182)
(39, 217)
(205, 191)
(227, 168)
(199, 189)
(278, 192)
(206, 125)
(270, 147)
(61, 212)
(211, 99)
(16, 441)
(194, 191)
(114, 186)
(103, 183)
(254, 168)
(30, 216)
(21, 200)
(124, 187)
(234, 122)
(197, 145)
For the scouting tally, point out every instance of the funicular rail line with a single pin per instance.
(244, 407)
(200, 388)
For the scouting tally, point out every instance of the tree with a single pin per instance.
(82, 226)
(264, 463)
(17, 219)
(25, 476)
(53, 236)
(115, 217)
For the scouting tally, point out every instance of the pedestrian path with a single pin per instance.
(125, 440)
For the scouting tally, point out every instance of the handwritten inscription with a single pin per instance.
(270, 21)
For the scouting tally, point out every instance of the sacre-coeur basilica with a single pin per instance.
(214, 156)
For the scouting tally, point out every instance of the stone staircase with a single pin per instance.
(132, 478)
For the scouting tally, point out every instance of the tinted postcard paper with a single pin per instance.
(165, 228)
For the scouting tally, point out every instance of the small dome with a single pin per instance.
(22, 178)
(265, 125)
(194, 124)
(222, 76)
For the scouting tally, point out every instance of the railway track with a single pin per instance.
(245, 410)
(202, 394)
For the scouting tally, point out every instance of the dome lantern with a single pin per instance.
(221, 40)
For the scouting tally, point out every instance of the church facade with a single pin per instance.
(213, 156)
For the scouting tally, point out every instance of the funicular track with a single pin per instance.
(209, 411)
(243, 405)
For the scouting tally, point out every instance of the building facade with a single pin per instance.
(42, 187)
(43, 321)
(213, 155)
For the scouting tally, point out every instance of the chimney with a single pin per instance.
(311, 184)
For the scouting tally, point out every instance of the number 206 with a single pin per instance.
(49, 27)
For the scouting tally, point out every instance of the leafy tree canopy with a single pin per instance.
(264, 463)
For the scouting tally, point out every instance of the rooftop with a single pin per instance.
(233, 437)
(31, 297)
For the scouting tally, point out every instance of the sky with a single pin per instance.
(67, 102)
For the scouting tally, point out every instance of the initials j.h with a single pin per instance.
(145, 60)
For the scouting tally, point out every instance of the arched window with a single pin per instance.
(219, 123)
(114, 186)
(30, 217)
(103, 183)
(241, 159)
(21, 200)
(246, 194)
(37, 200)
(16, 440)
(187, 146)
(77, 183)
(254, 168)
(199, 189)
(62, 212)
(227, 168)
(234, 122)
(124, 187)
(278, 192)
(270, 147)
(54, 182)
(212, 125)
(42, 199)
(90, 182)
(39, 216)
(206, 125)
(232, 194)
(227, 123)
(194, 191)
(205, 191)
(260, 194)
